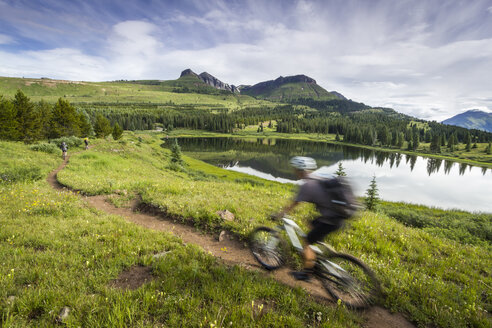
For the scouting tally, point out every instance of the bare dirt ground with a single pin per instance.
(229, 250)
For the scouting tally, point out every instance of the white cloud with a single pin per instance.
(5, 39)
(431, 66)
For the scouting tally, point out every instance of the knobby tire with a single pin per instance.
(355, 284)
(267, 247)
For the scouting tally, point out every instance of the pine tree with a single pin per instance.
(8, 120)
(117, 131)
(372, 197)
(337, 137)
(488, 150)
(435, 146)
(468, 141)
(176, 157)
(65, 121)
(44, 111)
(102, 127)
(415, 139)
(28, 122)
(341, 171)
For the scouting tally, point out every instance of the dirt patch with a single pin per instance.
(52, 180)
(133, 278)
(378, 317)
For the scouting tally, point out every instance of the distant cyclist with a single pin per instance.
(86, 141)
(64, 149)
(312, 191)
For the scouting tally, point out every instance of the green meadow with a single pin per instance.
(434, 278)
(57, 252)
(121, 92)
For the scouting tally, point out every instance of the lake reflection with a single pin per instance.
(413, 179)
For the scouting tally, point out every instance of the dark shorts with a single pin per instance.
(321, 229)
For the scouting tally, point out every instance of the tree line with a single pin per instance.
(27, 121)
(21, 119)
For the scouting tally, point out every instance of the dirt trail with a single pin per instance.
(230, 250)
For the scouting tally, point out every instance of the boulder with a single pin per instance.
(226, 215)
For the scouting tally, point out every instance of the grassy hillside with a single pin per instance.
(161, 92)
(289, 91)
(435, 280)
(57, 252)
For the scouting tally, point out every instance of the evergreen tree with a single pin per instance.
(337, 137)
(8, 120)
(401, 138)
(176, 157)
(117, 131)
(65, 121)
(27, 120)
(372, 196)
(86, 129)
(488, 149)
(44, 111)
(341, 171)
(435, 146)
(102, 127)
(443, 140)
(415, 138)
(468, 141)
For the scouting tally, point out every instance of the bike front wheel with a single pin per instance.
(267, 247)
(349, 280)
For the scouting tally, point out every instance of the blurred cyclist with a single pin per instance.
(312, 191)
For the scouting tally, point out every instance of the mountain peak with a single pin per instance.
(188, 72)
(210, 80)
(295, 79)
(472, 119)
(289, 88)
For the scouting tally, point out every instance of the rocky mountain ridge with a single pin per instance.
(211, 80)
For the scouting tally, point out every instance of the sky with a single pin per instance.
(431, 59)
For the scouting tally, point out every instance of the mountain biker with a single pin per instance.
(64, 149)
(312, 191)
(86, 141)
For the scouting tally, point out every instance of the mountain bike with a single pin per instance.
(343, 276)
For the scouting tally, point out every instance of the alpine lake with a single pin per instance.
(400, 177)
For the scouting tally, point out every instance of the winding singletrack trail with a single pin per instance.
(229, 250)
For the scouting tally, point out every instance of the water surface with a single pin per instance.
(408, 178)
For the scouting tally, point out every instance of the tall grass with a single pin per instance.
(57, 252)
(436, 281)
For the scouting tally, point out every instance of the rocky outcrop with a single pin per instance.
(211, 80)
(216, 83)
(188, 72)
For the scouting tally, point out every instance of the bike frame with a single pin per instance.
(294, 232)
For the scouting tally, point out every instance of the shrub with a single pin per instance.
(20, 174)
(45, 147)
(70, 141)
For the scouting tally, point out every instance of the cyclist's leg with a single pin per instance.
(318, 232)
(320, 229)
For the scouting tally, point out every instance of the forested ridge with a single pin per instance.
(357, 123)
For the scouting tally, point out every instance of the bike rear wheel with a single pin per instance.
(349, 280)
(267, 247)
